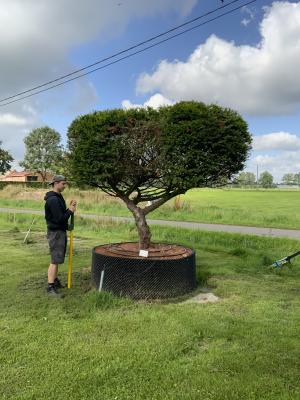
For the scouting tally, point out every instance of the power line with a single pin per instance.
(124, 51)
(120, 52)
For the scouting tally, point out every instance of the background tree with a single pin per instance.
(43, 152)
(246, 179)
(266, 180)
(5, 160)
(297, 179)
(288, 179)
(63, 166)
(146, 157)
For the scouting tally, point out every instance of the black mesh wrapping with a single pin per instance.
(144, 278)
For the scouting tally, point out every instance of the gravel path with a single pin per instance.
(251, 230)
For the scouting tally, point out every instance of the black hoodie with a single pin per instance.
(56, 212)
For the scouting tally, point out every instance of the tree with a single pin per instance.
(43, 151)
(288, 179)
(5, 160)
(63, 165)
(297, 179)
(146, 157)
(246, 179)
(265, 179)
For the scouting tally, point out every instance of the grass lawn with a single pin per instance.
(95, 346)
(269, 208)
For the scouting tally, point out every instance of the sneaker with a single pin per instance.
(58, 284)
(51, 290)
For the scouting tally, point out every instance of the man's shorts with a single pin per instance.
(57, 245)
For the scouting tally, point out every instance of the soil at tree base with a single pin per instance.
(156, 251)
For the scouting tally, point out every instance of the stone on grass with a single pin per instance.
(203, 298)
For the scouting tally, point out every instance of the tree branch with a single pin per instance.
(105, 189)
(160, 202)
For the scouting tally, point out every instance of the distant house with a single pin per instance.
(23, 176)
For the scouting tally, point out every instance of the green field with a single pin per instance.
(95, 346)
(268, 208)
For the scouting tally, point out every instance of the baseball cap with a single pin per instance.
(57, 178)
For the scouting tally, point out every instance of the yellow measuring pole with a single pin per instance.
(70, 264)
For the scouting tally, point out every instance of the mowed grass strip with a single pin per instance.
(93, 345)
(267, 208)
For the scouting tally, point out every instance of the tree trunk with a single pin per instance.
(141, 223)
(143, 229)
(43, 175)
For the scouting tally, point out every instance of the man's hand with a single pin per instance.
(73, 205)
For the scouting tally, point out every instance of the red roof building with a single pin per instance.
(23, 176)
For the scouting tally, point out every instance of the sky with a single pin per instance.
(248, 60)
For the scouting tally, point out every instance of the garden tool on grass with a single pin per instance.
(280, 263)
(28, 232)
(71, 228)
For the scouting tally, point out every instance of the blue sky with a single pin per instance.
(249, 60)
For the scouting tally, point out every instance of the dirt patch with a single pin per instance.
(203, 298)
(157, 251)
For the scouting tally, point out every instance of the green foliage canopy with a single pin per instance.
(143, 155)
(289, 179)
(297, 179)
(43, 152)
(152, 154)
(5, 160)
(246, 179)
(266, 179)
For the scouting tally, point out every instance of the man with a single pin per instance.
(57, 216)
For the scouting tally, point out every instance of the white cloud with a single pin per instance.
(254, 79)
(278, 165)
(250, 15)
(245, 21)
(278, 153)
(276, 141)
(36, 39)
(11, 119)
(14, 126)
(155, 101)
